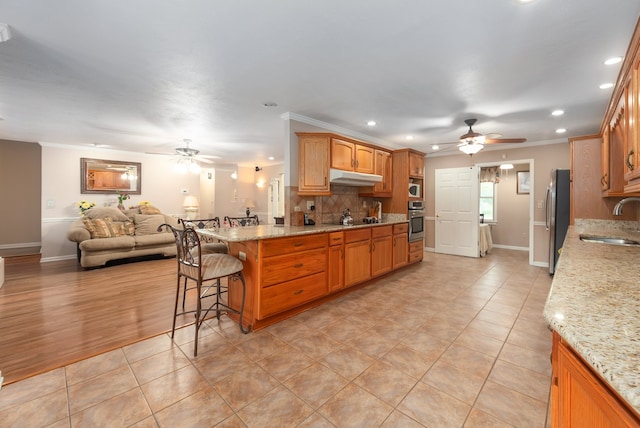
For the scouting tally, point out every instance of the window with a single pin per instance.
(488, 201)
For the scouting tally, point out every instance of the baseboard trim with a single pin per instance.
(57, 258)
(510, 247)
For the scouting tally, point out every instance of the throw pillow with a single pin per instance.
(148, 224)
(104, 212)
(99, 227)
(149, 210)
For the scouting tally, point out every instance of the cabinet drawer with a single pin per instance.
(293, 293)
(415, 246)
(357, 235)
(336, 238)
(379, 231)
(400, 228)
(275, 247)
(289, 266)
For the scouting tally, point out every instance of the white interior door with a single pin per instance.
(457, 211)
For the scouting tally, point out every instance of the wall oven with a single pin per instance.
(416, 220)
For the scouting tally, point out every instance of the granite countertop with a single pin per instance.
(251, 233)
(594, 304)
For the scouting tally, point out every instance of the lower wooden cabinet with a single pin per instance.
(416, 251)
(357, 256)
(400, 245)
(381, 250)
(579, 398)
(336, 261)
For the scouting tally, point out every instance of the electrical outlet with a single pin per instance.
(242, 255)
(296, 209)
(310, 205)
(51, 203)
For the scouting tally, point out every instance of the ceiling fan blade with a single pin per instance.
(160, 153)
(504, 140)
(208, 156)
(200, 159)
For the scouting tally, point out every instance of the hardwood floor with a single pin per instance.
(52, 314)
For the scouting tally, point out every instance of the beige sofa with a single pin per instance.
(106, 234)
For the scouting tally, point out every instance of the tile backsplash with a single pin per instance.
(328, 209)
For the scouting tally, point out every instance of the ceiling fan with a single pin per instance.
(472, 142)
(189, 158)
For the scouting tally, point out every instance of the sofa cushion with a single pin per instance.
(154, 240)
(103, 212)
(148, 224)
(119, 243)
(99, 227)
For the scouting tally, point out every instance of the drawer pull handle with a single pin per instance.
(337, 239)
(298, 265)
(298, 292)
(298, 244)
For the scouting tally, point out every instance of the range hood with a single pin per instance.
(351, 178)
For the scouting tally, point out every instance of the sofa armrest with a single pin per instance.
(78, 232)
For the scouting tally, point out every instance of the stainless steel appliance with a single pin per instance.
(414, 190)
(416, 220)
(557, 213)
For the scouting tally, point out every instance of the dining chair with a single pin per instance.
(202, 273)
(242, 221)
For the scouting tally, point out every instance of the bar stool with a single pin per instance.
(198, 269)
(208, 247)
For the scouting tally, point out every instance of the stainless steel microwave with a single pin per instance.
(414, 190)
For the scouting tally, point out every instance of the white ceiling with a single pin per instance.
(143, 75)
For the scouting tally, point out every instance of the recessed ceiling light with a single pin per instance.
(557, 112)
(435, 147)
(606, 86)
(269, 105)
(271, 158)
(613, 60)
(409, 137)
(371, 123)
(560, 131)
(5, 34)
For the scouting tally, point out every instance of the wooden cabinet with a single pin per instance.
(416, 164)
(313, 164)
(357, 256)
(579, 397)
(381, 250)
(351, 156)
(293, 272)
(407, 166)
(336, 261)
(416, 251)
(400, 245)
(383, 166)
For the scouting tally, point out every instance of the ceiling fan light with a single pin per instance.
(194, 167)
(471, 149)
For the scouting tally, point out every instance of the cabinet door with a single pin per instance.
(605, 168)
(365, 159)
(416, 165)
(313, 165)
(357, 262)
(583, 399)
(336, 267)
(400, 250)
(343, 154)
(383, 168)
(381, 255)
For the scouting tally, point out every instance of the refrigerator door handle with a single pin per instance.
(547, 207)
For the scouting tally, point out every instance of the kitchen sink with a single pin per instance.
(610, 240)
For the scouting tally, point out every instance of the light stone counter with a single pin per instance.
(251, 233)
(594, 304)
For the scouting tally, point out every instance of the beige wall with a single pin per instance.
(20, 176)
(544, 157)
(512, 228)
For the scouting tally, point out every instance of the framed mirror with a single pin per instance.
(109, 176)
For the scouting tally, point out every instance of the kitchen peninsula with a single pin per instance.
(289, 269)
(593, 308)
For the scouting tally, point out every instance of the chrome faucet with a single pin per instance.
(617, 210)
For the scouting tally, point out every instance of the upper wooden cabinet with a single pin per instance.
(416, 164)
(313, 164)
(619, 129)
(383, 166)
(351, 156)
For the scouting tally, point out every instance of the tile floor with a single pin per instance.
(450, 342)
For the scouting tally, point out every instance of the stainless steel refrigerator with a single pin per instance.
(557, 213)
